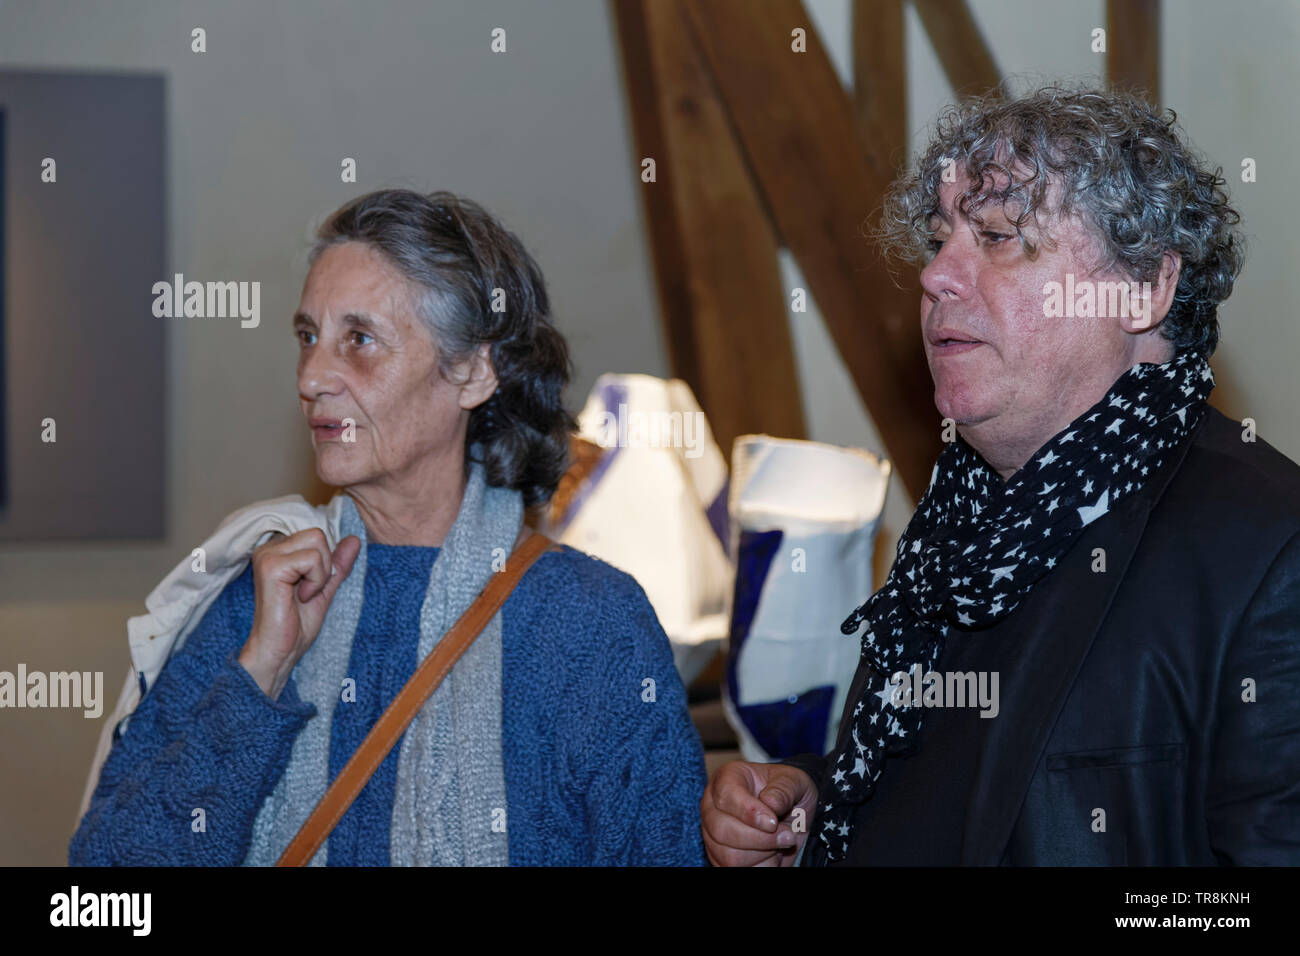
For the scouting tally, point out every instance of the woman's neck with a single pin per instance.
(417, 511)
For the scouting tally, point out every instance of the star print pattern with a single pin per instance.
(976, 545)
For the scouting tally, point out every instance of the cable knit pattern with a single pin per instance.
(596, 773)
(383, 658)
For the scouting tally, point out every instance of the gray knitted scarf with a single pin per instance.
(450, 803)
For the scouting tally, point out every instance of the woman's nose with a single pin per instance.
(317, 372)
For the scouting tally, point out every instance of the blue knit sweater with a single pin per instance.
(596, 772)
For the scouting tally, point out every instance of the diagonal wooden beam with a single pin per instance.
(800, 136)
(880, 82)
(956, 39)
(1133, 46)
(879, 96)
(661, 214)
(716, 253)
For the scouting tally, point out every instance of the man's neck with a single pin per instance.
(1006, 455)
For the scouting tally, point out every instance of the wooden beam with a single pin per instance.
(716, 251)
(880, 94)
(962, 52)
(800, 135)
(880, 98)
(1133, 46)
(660, 211)
(880, 82)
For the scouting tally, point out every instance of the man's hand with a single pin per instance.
(748, 812)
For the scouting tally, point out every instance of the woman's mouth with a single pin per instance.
(326, 429)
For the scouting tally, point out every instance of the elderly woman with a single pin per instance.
(1122, 556)
(430, 377)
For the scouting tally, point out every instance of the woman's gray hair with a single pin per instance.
(479, 286)
(1124, 166)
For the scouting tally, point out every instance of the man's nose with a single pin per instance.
(951, 273)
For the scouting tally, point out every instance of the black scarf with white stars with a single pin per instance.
(976, 545)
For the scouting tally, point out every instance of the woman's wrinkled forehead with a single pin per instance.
(355, 278)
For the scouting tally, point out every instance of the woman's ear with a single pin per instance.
(482, 379)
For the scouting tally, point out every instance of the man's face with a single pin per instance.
(1010, 376)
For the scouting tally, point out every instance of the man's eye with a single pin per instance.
(300, 333)
(359, 333)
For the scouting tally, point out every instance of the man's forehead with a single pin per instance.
(950, 194)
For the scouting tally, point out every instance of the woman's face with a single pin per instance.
(364, 355)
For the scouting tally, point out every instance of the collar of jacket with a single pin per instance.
(181, 599)
(178, 603)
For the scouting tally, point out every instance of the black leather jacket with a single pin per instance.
(1131, 694)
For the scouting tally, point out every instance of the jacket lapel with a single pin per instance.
(1060, 635)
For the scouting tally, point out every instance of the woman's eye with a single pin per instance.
(933, 245)
(994, 237)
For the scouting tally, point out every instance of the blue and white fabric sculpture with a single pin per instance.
(655, 505)
(803, 524)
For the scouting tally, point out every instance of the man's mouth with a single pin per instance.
(946, 337)
(954, 346)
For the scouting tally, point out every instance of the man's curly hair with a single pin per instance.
(464, 263)
(1124, 167)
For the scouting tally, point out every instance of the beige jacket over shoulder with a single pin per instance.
(178, 603)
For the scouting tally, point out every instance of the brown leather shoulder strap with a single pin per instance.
(393, 722)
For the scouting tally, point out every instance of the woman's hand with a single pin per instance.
(294, 581)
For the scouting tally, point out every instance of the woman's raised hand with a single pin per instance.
(294, 581)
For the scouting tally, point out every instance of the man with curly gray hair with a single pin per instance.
(1103, 564)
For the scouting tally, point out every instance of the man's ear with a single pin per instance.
(1161, 297)
(481, 382)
